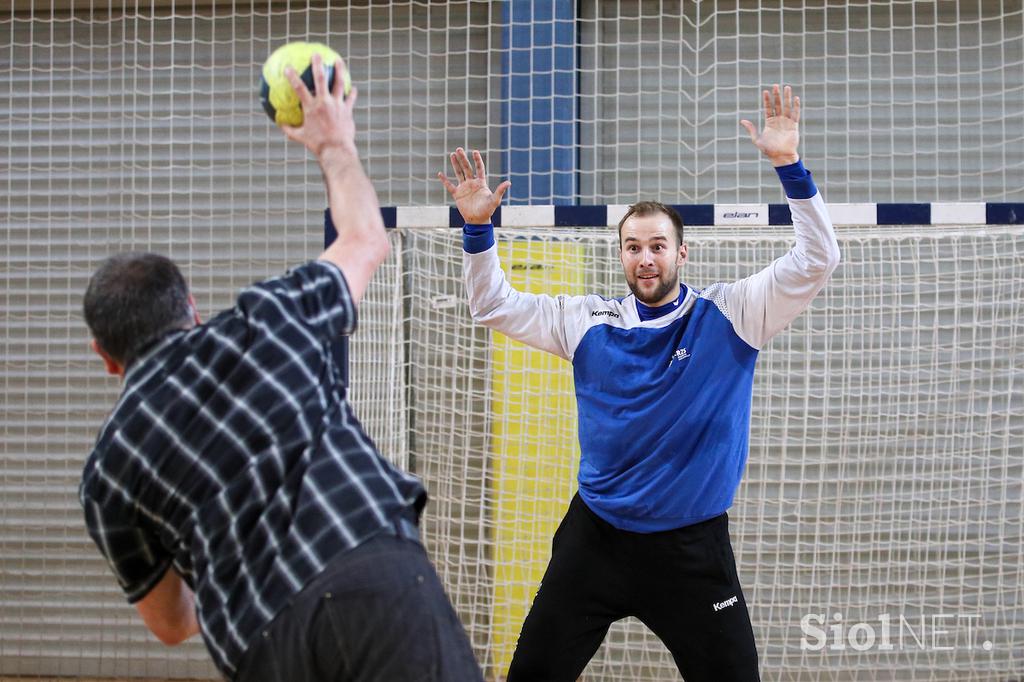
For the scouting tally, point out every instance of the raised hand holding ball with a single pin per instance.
(277, 95)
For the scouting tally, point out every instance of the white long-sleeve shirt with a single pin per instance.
(663, 394)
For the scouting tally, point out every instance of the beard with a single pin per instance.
(667, 283)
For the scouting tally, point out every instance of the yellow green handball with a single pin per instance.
(276, 94)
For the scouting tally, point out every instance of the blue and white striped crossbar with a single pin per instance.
(719, 214)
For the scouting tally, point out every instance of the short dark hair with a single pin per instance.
(132, 299)
(644, 208)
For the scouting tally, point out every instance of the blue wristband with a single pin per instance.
(797, 181)
(477, 238)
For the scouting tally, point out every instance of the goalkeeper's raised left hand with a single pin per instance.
(781, 135)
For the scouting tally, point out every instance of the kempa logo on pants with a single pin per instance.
(725, 604)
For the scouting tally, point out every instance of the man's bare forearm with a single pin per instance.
(169, 610)
(362, 243)
(350, 195)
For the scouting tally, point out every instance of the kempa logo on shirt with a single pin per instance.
(680, 354)
(603, 313)
(725, 604)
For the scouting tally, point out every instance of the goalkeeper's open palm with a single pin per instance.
(474, 199)
(781, 135)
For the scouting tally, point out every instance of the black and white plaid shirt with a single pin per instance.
(233, 456)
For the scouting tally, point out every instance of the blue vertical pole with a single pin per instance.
(539, 134)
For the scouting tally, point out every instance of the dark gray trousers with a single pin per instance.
(377, 613)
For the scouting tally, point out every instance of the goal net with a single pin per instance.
(885, 483)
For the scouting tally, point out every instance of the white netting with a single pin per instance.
(136, 125)
(903, 101)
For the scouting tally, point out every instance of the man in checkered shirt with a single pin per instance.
(232, 490)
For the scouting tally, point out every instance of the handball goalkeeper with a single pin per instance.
(663, 383)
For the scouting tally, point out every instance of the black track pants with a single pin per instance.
(681, 583)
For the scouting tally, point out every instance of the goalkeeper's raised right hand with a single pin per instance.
(474, 199)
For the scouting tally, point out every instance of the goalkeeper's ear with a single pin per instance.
(682, 256)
